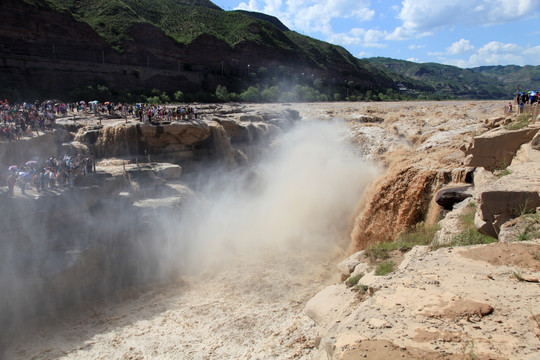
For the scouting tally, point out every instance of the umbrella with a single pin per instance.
(24, 175)
(13, 168)
(31, 163)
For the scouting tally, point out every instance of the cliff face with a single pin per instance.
(48, 52)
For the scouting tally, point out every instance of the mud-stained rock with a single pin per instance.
(463, 175)
(185, 133)
(458, 308)
(167, 171)
(423, 335)
(237, 132)
(496, 122)
(452, 224)
(61, 136)
(385, 350)
(87, 135)
(375, 323)
(75, 148)
(523, 255)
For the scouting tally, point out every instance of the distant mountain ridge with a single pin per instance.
(490, 82)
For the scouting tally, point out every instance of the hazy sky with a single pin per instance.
(466, 33)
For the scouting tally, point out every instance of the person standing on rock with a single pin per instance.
(11, 180)
(21, 181)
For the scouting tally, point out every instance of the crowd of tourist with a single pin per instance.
(153, 113)
(523, 98)
(28, 119)
(18, 120)
(51, 173)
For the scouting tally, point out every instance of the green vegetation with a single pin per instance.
(361, 288)
(469, 235)
(420, 234)
(520, 122)
(353, 280)
(532, 227)
(468, 351)
(518, 276)
(502, 170)
(385, 268)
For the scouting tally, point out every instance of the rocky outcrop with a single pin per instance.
(173, 141)
(496, 148)
(512, 192)
(507, 197)
(428, 307)
(221, 138)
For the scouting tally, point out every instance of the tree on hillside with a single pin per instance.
(222, 94)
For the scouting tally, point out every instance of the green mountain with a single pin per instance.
(513, 76)
(447, 80)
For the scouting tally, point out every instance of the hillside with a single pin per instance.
(490, 82)
(512, 76)
(135, 49)
(169, 45)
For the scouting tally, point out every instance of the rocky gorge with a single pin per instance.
(120, 286)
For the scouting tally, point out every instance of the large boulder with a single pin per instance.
(236, 131)
(496, 148)
(453, 194)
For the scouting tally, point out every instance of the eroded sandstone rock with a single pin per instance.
(507, 197)
(496, 148)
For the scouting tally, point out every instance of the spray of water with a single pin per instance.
(299, 197)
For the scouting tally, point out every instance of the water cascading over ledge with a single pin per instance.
(399, 199)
